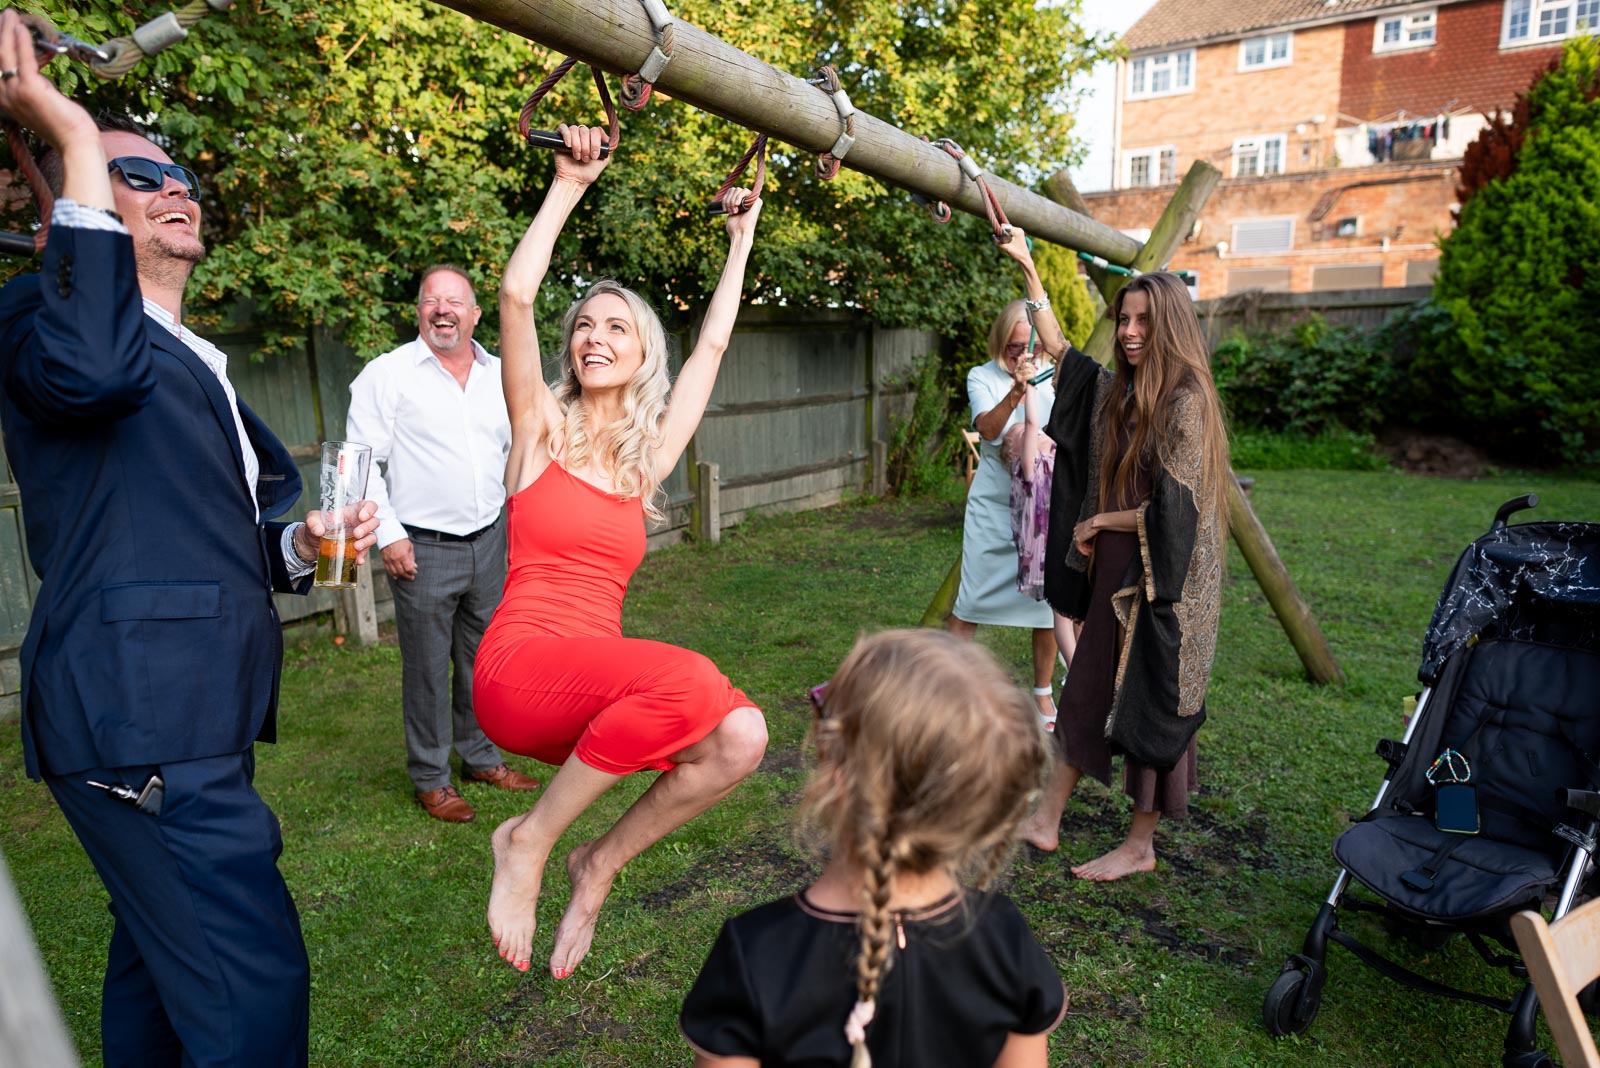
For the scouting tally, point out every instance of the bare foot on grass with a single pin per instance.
(1126, 859)
(514, 895)
(1039, 831)
(575, 933)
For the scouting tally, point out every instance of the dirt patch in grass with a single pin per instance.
(1432, 454)
(923, 517)
(528, 1034)
(761, 868)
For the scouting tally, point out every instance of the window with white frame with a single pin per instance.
(1254, 156)
(1252, 237)
(1273, 50)
(1164, 75)
(1541, 21)
(1414, 29)
(1149, 166)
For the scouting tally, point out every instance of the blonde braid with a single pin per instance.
(877, 868)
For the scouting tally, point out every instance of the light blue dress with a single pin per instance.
(988, 592)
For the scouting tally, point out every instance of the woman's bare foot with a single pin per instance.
(1126, 859)
(575, 934)
(1040, 831)
(514, 894)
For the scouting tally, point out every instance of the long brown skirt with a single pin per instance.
(1091, 682)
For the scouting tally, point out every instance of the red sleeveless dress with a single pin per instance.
(554, 675)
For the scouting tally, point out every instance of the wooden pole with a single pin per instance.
(1170, 230)
(31, 1030)
(944, 599)
(706, 72)
(1294, 615)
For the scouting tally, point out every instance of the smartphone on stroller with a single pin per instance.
(1455, 808)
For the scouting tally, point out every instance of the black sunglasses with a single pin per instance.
(149, 176)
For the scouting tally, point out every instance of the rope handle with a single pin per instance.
(991, 204)
(549, 138)
(758, 152)
(828, 163)
(636, 87)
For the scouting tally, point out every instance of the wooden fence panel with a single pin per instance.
(1364, 309)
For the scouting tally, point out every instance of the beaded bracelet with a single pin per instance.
(1447, 760)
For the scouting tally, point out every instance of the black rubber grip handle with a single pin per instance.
(552, 140)
(16, 244)
(1514, 505)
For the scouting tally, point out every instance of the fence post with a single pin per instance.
(880, 467)
(31, 1029)
(708, 497)
(356, 611)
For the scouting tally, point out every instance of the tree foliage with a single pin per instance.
(345, 145)
(1519, 283)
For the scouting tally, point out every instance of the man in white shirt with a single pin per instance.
(435, 416)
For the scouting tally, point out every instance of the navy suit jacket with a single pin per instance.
(154, 637)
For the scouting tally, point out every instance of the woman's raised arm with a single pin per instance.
(529, 402)
(1051, 337)
(692, 391)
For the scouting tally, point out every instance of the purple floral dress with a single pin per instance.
(1030, 519)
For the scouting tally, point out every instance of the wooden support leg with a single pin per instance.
(945, 599)
(31, 1029)
(1291, 609)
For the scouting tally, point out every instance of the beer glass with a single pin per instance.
(345, 465)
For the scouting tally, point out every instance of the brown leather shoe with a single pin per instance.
(446, 803)
(503, 776)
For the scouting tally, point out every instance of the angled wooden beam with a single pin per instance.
(710, 74)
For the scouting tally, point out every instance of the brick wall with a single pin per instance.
(1406, 203)
(1227, 104)
(1466, 68)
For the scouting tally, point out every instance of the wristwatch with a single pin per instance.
(1042, 304)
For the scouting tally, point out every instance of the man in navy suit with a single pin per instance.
(153, 653)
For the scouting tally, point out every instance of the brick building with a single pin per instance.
(1337, 125)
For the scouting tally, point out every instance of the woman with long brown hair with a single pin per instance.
(1138, 518)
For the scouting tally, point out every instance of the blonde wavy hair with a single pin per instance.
(625, 446)
(928, 757)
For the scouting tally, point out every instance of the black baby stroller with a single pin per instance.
(1504, 741)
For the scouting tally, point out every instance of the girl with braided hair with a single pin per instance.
(927, 762)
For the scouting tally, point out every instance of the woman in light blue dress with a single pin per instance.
(988, 593)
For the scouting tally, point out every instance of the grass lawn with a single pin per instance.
(1168, 968)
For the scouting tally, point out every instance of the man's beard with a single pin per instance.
(444, 344)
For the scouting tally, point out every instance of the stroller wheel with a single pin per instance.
(1291, 1002)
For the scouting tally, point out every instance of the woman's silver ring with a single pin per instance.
(7, 75)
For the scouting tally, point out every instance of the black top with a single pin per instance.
(965, 974)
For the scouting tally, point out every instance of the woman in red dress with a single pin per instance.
(555, 679)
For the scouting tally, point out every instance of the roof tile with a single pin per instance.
(1175, 22)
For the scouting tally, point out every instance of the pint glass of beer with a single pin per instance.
(345, 465)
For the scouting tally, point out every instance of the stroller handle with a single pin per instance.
(1515, 504)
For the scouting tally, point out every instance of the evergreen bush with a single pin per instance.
(1518, 280)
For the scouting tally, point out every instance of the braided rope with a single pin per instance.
(126, 52)
(525, 118)
(828, 164)
(758, 152)
(636, 90)
(991, 204)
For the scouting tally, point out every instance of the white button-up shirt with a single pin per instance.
(443, 447)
